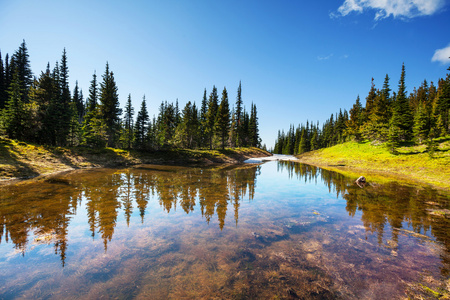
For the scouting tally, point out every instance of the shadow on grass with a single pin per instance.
(17, 168)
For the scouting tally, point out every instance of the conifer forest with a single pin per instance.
(43, 109)
(390, 117)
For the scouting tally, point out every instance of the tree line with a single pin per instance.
(389, 118)
(43, 110)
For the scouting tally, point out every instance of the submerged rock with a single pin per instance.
(361, 181)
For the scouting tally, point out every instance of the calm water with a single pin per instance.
(278, 230)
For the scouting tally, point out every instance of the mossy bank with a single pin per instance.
(20, 160)
(412, 163)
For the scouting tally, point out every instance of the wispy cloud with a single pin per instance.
(325, 57)
(395, 8)
(442, 55)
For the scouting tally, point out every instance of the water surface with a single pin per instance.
(280, 229)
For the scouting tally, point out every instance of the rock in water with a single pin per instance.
(361, 181)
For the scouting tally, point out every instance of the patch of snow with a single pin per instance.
(275, 157)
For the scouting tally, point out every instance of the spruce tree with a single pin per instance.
(45, 94)
(245, 134)
(8, 73)
(14, 112)
(109, 106)
(20, 62)
(402, 118)
(203, 121)
(127, 136)
(187, 130)
(442, 105)
(64, 109)
(315, 139)
(239, 117)
(211, 116)
(74, 133)
(355, 121)
(253, 128)
(370, 100)
(303, 145)
(141, 126)
(420, 128)
(91, 101)
(77, 98)
(3, 87)
(222, 122)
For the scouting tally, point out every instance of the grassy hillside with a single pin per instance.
(23, 160)
(412, 163)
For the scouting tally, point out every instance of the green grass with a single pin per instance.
(25, 160)
(412, 162)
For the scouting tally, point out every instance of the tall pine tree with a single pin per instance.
(109, 106)
(211, 116)
(127, 136)
(141, 126)
(222, 122)
(402, 118)
(20, 62)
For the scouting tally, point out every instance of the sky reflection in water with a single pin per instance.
(255, 231)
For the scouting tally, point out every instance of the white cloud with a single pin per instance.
(324, 57)
(395, 8)
(442, 55)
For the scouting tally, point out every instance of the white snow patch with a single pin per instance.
(275, 157)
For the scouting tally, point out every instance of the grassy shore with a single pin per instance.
(19, 160)
(412, 163)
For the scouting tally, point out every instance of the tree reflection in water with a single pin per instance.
(45, 209)
(389, 205)
(280, 245)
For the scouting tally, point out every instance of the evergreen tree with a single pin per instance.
(14, 112)
(315, 139)
(166, 124)
(370, 101)
(402, 118)
(77, 98)
(245, 130)
(211, 116)
(74, 134)
(253, 128)
(233, 128)
(141, 126)
(177, 114)
(355, 121)
(222, 122)
(94, 130)
(393, 141)
(441, 106)
(91, 101)
(63, 112)
(109, 106)
(420, 128)
(8, 74)
(3, 87)
(303, 147)
(187, 130)
(20, 62)
(203, 121)
(239, 107)
(46, 96)
(127, 136)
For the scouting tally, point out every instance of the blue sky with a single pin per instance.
(297, 60)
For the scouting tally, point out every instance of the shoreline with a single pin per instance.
(376, 164)
(20, 161)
